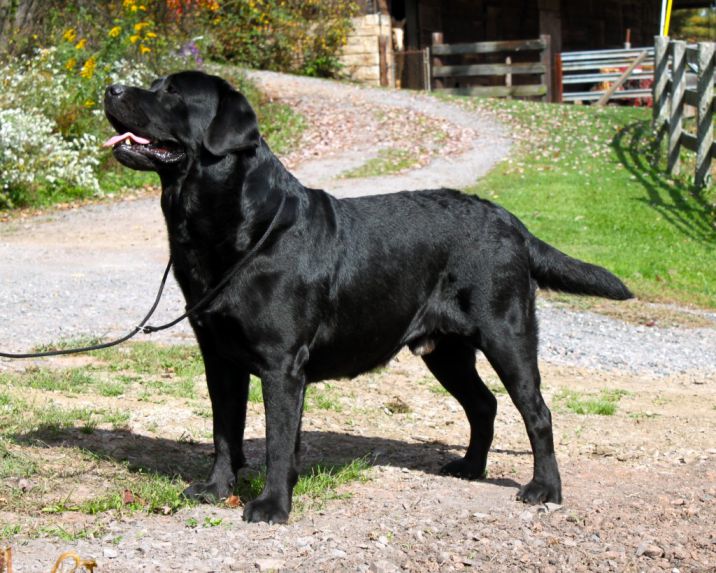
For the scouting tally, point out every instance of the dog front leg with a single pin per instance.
(229, 390)
(283, 400)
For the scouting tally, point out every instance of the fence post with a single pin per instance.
(558, 79)
(547, 62)
(427, 70)
(676, 109)
(704, 113)
(437, 40)
(383, 59)
(660, 96)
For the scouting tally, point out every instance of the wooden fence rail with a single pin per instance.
(675, 65)
(502, 71)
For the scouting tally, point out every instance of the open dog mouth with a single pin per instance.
(166, 152)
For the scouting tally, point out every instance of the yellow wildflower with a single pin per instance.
(139, 26)
(128, 3)
(116, 31)
(89, 103)
(88, 68)
(81, 44)
(71, 63)
(134, 39)
(70, 35)
(151, 35)
(144, 50)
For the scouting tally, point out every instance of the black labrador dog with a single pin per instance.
(331, 288)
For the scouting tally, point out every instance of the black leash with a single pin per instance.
(148, 329)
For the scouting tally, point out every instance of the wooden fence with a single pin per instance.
(462, 78)
(677, 68)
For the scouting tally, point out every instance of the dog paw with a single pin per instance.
(536, 492)
(207, 492)
(464, 469)
(267, 510)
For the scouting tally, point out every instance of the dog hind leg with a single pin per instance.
(452, 362)
(513, 354)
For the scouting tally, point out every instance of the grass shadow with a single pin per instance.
(637, 150)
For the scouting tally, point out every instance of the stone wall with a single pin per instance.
(361, 54)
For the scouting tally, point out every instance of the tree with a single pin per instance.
(694, 25)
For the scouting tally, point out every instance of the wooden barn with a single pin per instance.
(390, 29)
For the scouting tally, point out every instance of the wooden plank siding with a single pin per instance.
(572, 26)
(489, 69)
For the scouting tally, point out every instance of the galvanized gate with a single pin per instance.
(586, 76)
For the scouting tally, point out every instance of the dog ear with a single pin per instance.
(234, 126)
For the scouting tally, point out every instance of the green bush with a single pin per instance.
(51, 117)
(299, 36)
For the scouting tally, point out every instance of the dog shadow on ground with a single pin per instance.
(191, 460)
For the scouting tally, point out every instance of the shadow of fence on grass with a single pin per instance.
(689, 212)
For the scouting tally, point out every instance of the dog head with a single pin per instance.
(178, 118)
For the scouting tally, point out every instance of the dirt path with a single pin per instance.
(639, 485)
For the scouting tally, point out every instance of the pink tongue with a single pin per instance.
(129, 135)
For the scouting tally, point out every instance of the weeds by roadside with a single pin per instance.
(602, 404)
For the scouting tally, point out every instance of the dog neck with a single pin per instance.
(239, 192)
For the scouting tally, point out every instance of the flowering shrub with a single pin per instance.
(302, 36)
(50, 146)
(34, 156)
(50, 94)
(50, 98)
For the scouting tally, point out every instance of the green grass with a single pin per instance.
(389, 161)
(322, 397)
(314, 488)
(7, 531)
(151, 358)
(159, 370)
(582, 179)
(602, 404)
(72, 380)
(15, 465)
(150, 493)
(64, 534)
(318, 397)
(152, 370)
(255, 393)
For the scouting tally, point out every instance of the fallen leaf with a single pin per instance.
(233, 501)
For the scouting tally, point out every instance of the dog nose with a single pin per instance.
(115, 90)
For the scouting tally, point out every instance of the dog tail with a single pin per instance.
(554, 270)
